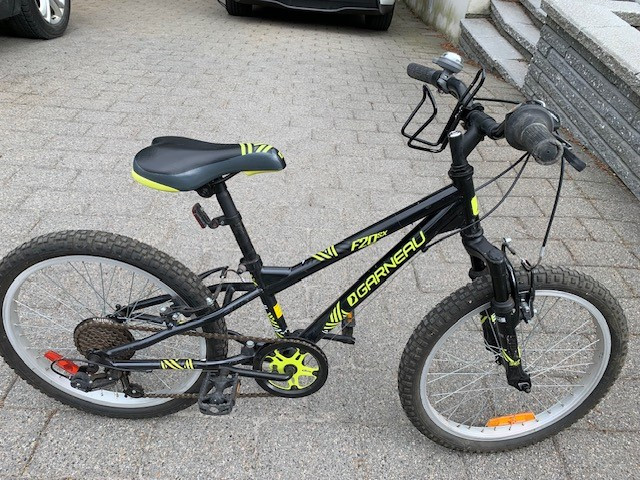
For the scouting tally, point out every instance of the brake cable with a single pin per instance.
(526, 264)
(524, 158)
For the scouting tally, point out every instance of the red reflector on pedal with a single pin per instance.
(66, 365)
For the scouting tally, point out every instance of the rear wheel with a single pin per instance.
(238, 9)
(379, 22)
(54, 283)
(455, 393)
(43, 19)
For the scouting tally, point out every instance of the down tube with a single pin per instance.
(416, 240)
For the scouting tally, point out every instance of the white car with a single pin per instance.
(377, 13)
(44, 19)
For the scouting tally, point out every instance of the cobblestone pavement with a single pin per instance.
(332, 96)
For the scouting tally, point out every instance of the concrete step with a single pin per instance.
(482, 41)
(512, 20)
(535, 11)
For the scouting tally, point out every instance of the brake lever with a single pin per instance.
(573, 160)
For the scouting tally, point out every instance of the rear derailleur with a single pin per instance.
(87, 379)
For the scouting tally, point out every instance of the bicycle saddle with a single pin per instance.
(173, 164)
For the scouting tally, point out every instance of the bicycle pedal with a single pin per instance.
(218, 394)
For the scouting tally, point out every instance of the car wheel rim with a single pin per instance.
(52, 11)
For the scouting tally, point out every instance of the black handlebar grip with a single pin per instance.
(424, 74)
(529, 127)
(540, 142)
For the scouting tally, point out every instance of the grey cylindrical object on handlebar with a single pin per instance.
(424, 74)
(537, 141)
(529, 127)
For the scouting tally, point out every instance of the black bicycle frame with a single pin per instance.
(450, 208)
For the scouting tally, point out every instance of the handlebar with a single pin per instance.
(437, 78)
(424, 74)
(529, 127)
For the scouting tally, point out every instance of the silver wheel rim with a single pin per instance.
(22, 336)
(480, 395)
(52, 11)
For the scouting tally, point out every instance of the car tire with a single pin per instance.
(238, 9)
(31, 23)
(378, 22)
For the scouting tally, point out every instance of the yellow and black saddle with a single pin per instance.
(178, 164)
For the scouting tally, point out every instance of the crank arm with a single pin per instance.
(243, 372)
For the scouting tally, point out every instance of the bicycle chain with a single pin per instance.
(213, 336)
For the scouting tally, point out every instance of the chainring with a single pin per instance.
(304, 361)
(99, 334)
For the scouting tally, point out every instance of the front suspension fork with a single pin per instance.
(499, 322)
(501, 339)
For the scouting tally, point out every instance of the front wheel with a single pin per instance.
(456, 393)
(61, 293)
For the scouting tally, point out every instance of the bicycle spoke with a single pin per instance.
(104, 300)
(46, 317)
(558, 343)
(461, 388)
(59, 301)
(64, 290)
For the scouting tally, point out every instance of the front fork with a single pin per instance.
(499, 322)
(503, 314)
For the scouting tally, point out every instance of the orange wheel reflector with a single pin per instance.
(511, 419)
(66, 365)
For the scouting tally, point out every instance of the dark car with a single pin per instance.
(377, 13)
(35, 18)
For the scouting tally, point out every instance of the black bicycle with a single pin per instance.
(115, 327)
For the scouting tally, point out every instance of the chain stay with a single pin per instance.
(213, 336)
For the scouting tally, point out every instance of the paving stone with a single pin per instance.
(631, 307)
(601, 230)
(65, 447)
(16, 229)
(601, 254)
(618, 411)
(532, 462)
(20, 432)
(589, 454)
(631, 368)
(232, 447)
(7, 378)
(23, 396)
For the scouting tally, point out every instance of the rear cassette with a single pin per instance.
(102, 334)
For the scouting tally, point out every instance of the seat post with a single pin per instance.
(250, 258)
(234, 220)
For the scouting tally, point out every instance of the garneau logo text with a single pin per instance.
(394, 262)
